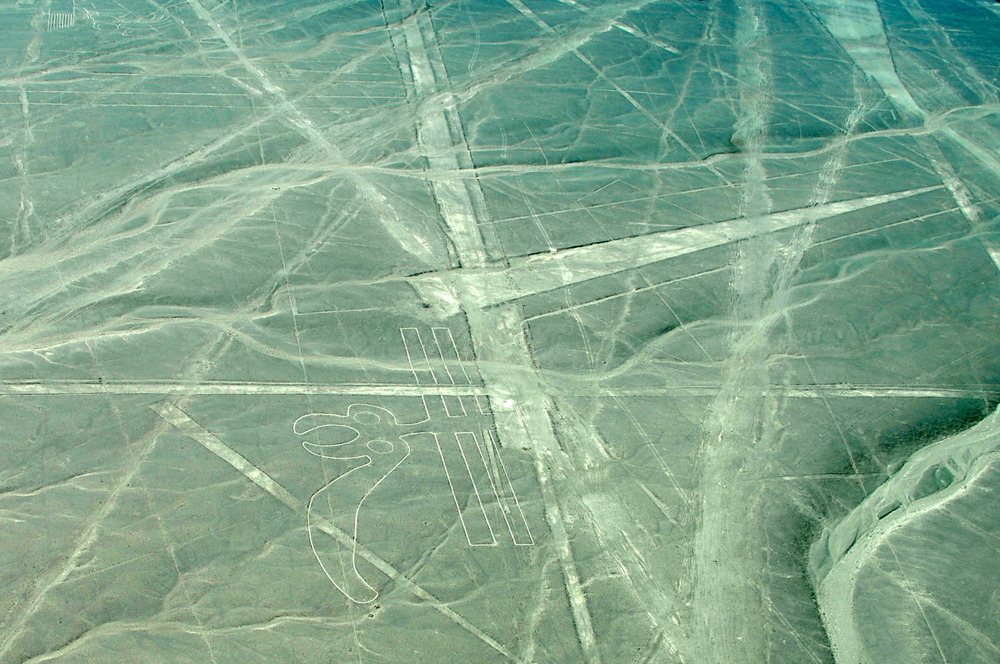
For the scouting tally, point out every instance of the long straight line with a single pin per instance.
(86, 388)
(56, 387)
(540, 273)
(495, 333)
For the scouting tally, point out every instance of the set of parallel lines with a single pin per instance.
(432, 368)
(477, 476)
(58, 21)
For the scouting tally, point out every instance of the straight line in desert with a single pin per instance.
(85, 388)
(544, 272)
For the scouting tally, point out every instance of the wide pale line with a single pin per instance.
(213, 444)
(57, 387)
(543, 272)
(495, 333)
(87, 388)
